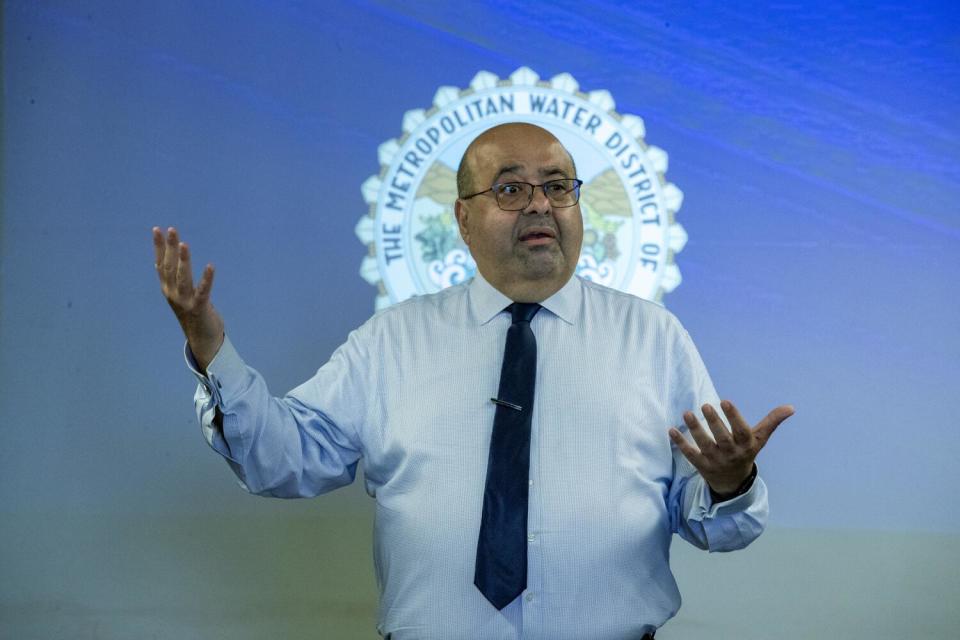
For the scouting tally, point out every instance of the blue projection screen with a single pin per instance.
(783, 178)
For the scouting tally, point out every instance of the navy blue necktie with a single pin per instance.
(501, 571)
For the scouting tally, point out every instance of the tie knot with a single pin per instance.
(523, 311)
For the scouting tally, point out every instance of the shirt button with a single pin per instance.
(530, 483)
(528, 597)
(531, 537)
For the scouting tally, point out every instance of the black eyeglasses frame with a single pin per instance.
(577, 183)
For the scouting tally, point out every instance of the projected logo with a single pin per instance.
(630, 235)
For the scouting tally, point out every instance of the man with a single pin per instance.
(515, 430)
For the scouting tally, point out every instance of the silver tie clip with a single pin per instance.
(504, 403)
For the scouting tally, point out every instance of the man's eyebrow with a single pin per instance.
(512, 168)
(549, 171)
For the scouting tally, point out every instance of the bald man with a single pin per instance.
(524, 435)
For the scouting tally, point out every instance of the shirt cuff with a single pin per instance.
(736, 504)
(742, 489)
(226, 365)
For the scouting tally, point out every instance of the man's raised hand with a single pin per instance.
(726, 460)
(201, 323)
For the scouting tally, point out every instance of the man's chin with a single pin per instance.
(543, 265)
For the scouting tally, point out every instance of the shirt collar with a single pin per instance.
(486, 301)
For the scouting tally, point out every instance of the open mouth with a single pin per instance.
(537, 236)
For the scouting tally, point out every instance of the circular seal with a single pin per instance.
(629, 233)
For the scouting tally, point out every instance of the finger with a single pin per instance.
(688, 450)
(184, 271)
(698, 432)
(740, 427)
(171, 257)
(158, 248)
(719, 430)
(205, 285)
(769, 424)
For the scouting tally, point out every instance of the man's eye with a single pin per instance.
(556, 187)
(509, 189)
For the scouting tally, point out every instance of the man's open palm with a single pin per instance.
(726, 459)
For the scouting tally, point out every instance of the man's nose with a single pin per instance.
(539, 203)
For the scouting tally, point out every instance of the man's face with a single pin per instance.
(529, 251)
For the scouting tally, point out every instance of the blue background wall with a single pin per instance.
(816, 145)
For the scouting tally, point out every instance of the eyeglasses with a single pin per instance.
(517, 196)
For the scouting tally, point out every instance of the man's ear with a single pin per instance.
(461, 213)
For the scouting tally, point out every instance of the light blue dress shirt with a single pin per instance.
(409, 393)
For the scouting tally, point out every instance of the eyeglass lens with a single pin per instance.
(514, 196)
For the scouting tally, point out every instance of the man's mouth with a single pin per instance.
(537, 236)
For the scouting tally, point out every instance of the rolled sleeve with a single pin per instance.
(209, 397)
(728, 525)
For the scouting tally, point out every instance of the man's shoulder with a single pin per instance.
(599, 296)
(424, 308)
(639, 322)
